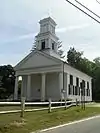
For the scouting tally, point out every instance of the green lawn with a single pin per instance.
(12, 123)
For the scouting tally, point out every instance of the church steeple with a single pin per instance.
(46, 40)
(47, 25)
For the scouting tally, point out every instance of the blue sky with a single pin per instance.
(19, 24)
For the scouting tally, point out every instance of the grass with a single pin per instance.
(12, 123)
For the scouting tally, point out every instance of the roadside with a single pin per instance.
(87, 125)
(12, 123)
(94, 105)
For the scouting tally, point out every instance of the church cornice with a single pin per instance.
(47, 33)
(48, 19)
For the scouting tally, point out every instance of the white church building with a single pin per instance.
(45, 75)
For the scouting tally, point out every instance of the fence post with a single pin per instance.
(22, 106)
(65, 104)
(76, 102)
(49, 111)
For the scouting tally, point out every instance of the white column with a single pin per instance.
(74, 80)
(22, 87)
(80, 80)
(90, 88)
(29, 87)
(61, 84)
(43, 87)
(68, 82)
(65, 85)
(16, 89)
(74, 84)
(49, 43)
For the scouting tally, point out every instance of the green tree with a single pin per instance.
(97, 61)
(74, 57)
(7, 81)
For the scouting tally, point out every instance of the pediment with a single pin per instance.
(37, 59)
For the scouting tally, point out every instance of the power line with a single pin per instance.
(83, 11)
(98, 1)
(87, 9)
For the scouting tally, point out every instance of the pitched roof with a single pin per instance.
(32, 53)
(48, 56)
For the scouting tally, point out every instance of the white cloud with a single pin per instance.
(21, 24)
(19, 38)
(73, 27)
(61, 30)
(26, 36)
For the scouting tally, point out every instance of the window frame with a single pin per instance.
(71, 79)
(77, 81)
(53, 46)
(43, 44)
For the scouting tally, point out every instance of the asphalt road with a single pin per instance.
(89, 126)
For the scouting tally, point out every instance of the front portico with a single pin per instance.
(40, 82)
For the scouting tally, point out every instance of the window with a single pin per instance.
(74, 90)
(88, 90)
(82, 84)
(71, 80)
(43, 44)
(53, 46)
(87, 85)
(79, 91)
(77, 82)
(70, 90)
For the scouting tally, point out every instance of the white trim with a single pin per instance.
(49, 69)
(17, 67)
(59, 61)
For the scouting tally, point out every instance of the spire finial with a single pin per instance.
(49, 13)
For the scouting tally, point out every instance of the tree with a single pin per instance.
(60, 51)
(7, 81)
(34, 45)
(74, 57)
(97, 61)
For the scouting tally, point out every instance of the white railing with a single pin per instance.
(49, 106)
(34, 103)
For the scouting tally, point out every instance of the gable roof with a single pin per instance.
(56, 60)
(22, 62)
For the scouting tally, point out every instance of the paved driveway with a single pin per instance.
(89, 126)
